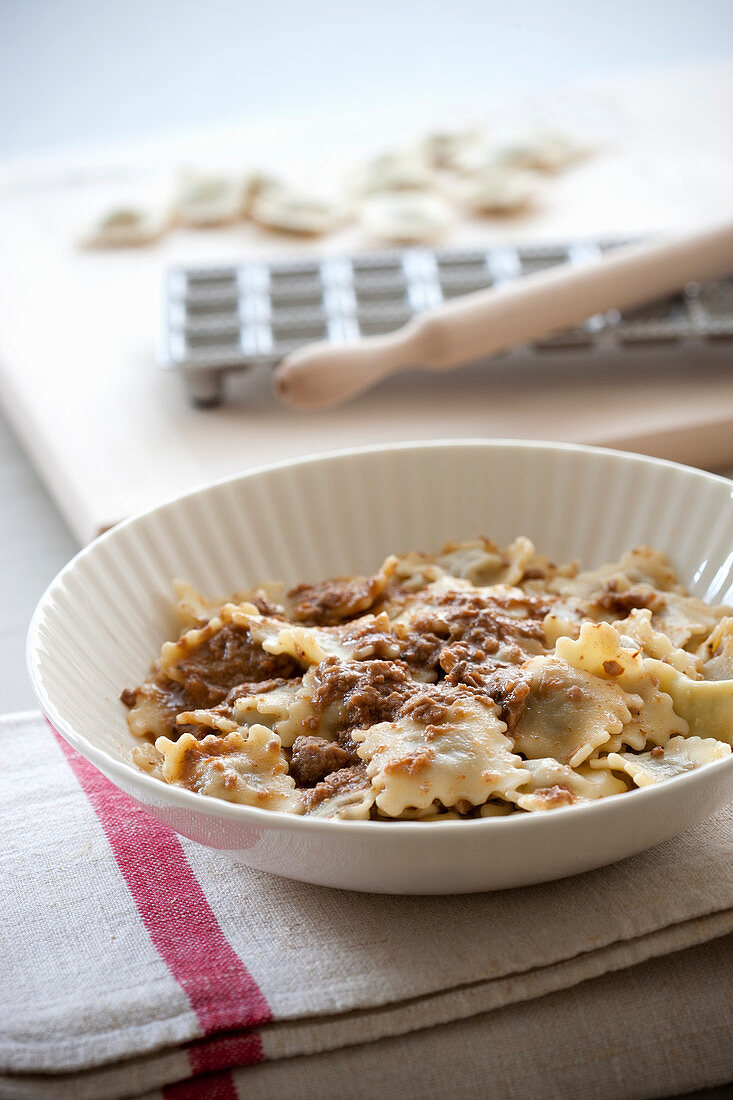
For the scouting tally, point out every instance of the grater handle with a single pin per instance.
(477, 325)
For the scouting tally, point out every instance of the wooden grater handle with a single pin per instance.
(477, 325)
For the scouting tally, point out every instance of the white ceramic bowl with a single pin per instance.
(106, 614)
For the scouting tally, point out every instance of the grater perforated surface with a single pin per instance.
(222, 319)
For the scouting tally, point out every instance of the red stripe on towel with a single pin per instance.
(218, 1086)
(176, 914)
(225, 1052)
(212, 1058)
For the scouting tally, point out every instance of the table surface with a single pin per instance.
(36, 544)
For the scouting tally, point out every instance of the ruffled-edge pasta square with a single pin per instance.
(463, 757)
(251, 770)
(568, 712)
(706, 705)
(286, 708)
(679, 755)
(599, 651)
(717, 653)
(553, 785)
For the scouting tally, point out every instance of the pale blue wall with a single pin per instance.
(76, 71)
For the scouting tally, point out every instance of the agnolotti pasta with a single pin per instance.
(478, 682)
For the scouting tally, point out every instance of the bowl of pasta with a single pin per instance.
(425, 668)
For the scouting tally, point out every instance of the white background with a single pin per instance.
(89, 71)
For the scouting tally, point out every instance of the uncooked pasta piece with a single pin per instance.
(443, 148)
(407, 217)
(256, 183)
(402, 170)
(497, 190)
(544, 150)
(126, 227)
(290, 211)
(204, 200)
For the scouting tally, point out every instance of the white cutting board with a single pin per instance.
(112, 434)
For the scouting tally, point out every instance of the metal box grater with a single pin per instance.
(222, 319)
